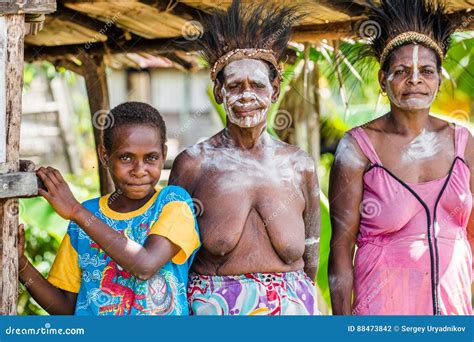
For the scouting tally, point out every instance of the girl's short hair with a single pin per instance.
(132, 113)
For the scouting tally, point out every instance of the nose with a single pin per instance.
(414, 77)
(247, 96)
(138, 169)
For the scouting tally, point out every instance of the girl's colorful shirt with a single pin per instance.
(103, 287)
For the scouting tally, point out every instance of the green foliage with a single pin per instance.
(324, 246)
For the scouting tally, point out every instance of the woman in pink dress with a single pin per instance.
(400, 187)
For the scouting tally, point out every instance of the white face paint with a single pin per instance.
(411, 101)
(247, 108)
(250, 119)
(348, 155)
(426, 145)
(416, 69)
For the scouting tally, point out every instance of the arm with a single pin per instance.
(141, 261)
(345, 196)
(312, 219)
(55, 301)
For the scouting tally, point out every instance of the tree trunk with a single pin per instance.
(98, 94)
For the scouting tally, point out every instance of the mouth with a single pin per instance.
(414, 93)
(244, 112)
(139, 186)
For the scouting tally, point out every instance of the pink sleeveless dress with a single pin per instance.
(413, 256)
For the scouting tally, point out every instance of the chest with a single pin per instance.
(419, 160)
(247, 201)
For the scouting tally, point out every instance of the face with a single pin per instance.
(136, 159)
(247, 92)
(412, 80)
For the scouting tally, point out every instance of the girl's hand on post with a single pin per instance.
(59, 194)
(22, 260)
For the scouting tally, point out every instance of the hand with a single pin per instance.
(58, 195)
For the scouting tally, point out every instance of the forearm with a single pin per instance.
(49, 297)
(340, 285)
(310, 258)
(129, 254)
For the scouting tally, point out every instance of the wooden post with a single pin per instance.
(12, 31)
(97, 91)
(12, 28)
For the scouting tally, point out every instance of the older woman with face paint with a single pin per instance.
(259, 196)
(400, 187)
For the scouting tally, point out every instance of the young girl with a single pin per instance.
(126, 253)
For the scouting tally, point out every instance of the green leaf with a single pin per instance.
(324, 247)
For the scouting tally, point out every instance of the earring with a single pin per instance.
(383, 92)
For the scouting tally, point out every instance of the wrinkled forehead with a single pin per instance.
(407, 55)
(252, 69)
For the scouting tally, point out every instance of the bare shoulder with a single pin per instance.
(186, 166)
(376, 126)
(296, 156)
(349, 154)
(190, 157)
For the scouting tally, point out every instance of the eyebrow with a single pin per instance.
(131, 153)
(421, 66)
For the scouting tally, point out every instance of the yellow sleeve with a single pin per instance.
(176, 223)
(65, 272)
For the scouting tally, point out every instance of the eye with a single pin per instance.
(399, 72)
(153, 157)
(125, 158)
(232, 86)
(427, 71)
(259, 85)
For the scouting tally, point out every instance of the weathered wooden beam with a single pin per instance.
(27, 6)
(308, 33)
(12, 27)
(98, 95)
(343, 29)
(152, 46)
(69, 65)
(18, 184)
(347, 7)
(81, 19)
(176, 8)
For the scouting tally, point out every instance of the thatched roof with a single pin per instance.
(152, 27)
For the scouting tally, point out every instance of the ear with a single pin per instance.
(382, 79)
(164, 152)
(276, 89)
(103, 157)
(218, 92)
